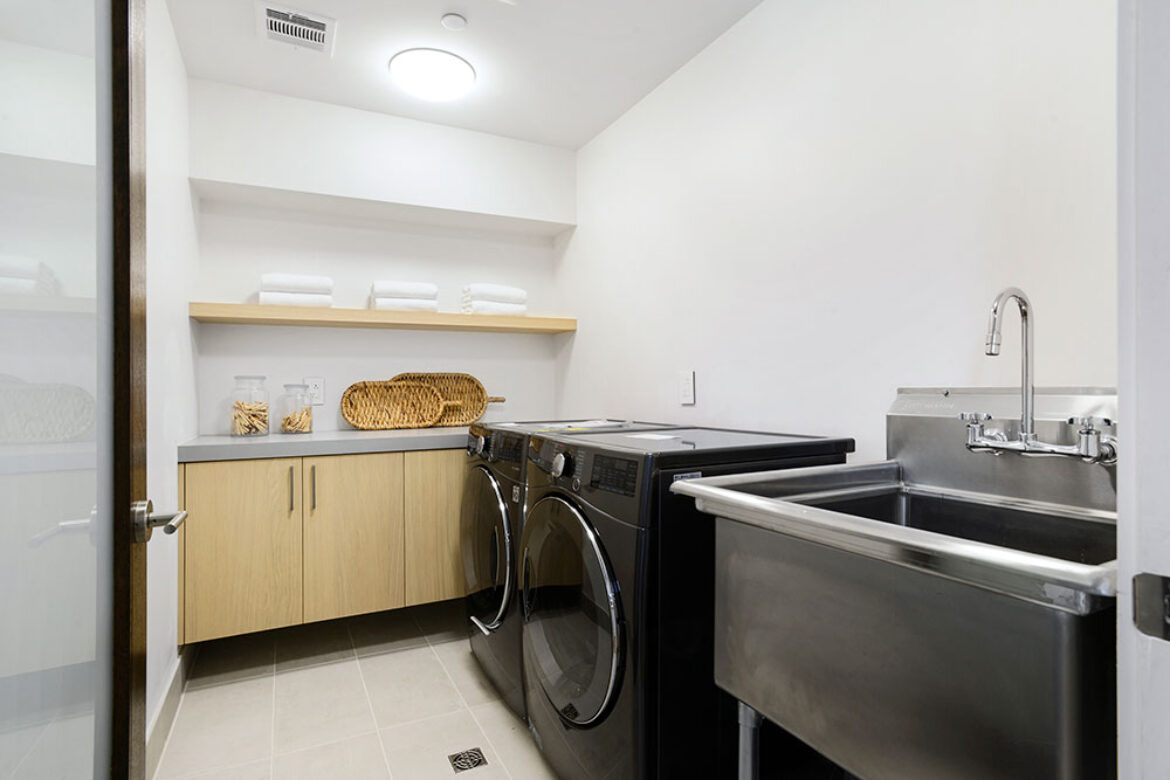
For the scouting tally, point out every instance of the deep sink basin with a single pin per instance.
(916, 632)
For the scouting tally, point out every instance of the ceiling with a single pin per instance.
(556, 72)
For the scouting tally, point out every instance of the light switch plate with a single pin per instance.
(316, 389)
(686, 388)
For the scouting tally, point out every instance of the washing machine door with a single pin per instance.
(486, 540)
(573, 624)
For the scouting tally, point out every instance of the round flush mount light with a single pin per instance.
(432, 74)
(453, 21)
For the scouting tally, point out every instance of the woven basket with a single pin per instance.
(380, 406)
(464, 389)
(33, 413)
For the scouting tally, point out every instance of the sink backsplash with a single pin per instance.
(924, 433)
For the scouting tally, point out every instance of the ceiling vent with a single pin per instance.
(309, 31)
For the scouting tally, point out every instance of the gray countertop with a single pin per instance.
(349, 442)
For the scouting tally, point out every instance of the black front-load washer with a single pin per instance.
(617, 598)
(490, 526)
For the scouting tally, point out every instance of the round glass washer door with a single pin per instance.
(573, 624)
(486, 540)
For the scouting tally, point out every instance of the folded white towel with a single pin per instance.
(296, 283)
(493, 307)
(13, 286)
(403, 304)
(17, 267)
(388, 288)
(500, 293)
(269, 298)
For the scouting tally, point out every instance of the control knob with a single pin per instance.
(562, 463)
(475, 445)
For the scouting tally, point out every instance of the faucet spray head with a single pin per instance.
(991, 346)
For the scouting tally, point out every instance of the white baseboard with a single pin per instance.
(160, 725)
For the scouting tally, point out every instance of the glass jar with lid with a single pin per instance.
(296, 410)
(249, 407)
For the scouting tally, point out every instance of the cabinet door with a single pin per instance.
(242, 542)
(434, 490)
(353, 534)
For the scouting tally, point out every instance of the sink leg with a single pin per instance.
(749, 743)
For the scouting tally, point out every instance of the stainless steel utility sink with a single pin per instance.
(907, 622)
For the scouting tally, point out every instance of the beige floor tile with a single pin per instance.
(220, 726)
(320, 704)
(359, 758)
(254, 770)
(385, 632)
(315, 643)
(235, 658)
(465, 671)
(408, 685)
(64, 749)
(15, 744)
(512, 741)
(444, 621)
(419, 750)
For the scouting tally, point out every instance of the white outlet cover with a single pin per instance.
(316, 389)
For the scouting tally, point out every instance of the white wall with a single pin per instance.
(262, 139)
(821, 205)
(171, 264)
(237, 245)
(46, 104)
(1143, 533)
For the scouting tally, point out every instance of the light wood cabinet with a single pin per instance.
(434, 565)
(276, 542)
(353, 527)
(242, 546)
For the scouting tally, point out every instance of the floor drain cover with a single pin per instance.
(467, 759)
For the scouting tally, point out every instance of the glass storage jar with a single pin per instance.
(250, 407)
(296, 410)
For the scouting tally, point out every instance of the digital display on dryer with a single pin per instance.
(615, 475)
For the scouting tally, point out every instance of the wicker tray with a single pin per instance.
(34, 413)
(466, 390)
(380, 406)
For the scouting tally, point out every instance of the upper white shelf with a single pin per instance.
(337, 207)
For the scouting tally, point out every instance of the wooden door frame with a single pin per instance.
(128, 384)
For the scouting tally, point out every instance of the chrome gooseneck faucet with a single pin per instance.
(1027, 385)
(1093, 446)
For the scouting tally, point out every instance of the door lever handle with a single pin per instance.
(145, 520)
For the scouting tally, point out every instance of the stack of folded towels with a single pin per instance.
(25, 276)
(485, 298)
(296, 290)
(389, 295)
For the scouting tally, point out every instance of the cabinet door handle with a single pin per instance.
(290, 488)
(313, 471)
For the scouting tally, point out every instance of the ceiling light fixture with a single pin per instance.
(432, 74)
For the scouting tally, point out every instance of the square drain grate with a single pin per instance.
(467, 759)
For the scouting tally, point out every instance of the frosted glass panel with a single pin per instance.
(54, 563)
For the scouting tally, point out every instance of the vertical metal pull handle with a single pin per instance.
(290, 489)
(313, 471)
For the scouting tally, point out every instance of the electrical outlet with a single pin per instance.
(316, 389)
(686, 388)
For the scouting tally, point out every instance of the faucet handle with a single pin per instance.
(975, 418)
(1090, 423)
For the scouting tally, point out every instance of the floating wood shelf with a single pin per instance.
(321, 317)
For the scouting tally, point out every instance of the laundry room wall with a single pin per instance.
(172, 256)
(475, 197)
(821, 205)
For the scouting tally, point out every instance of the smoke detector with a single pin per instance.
(298, 28)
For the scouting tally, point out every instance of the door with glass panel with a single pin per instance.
(72, 604)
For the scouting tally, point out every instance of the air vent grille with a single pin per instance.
(297, 28)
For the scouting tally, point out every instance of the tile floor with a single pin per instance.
(378, 696)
